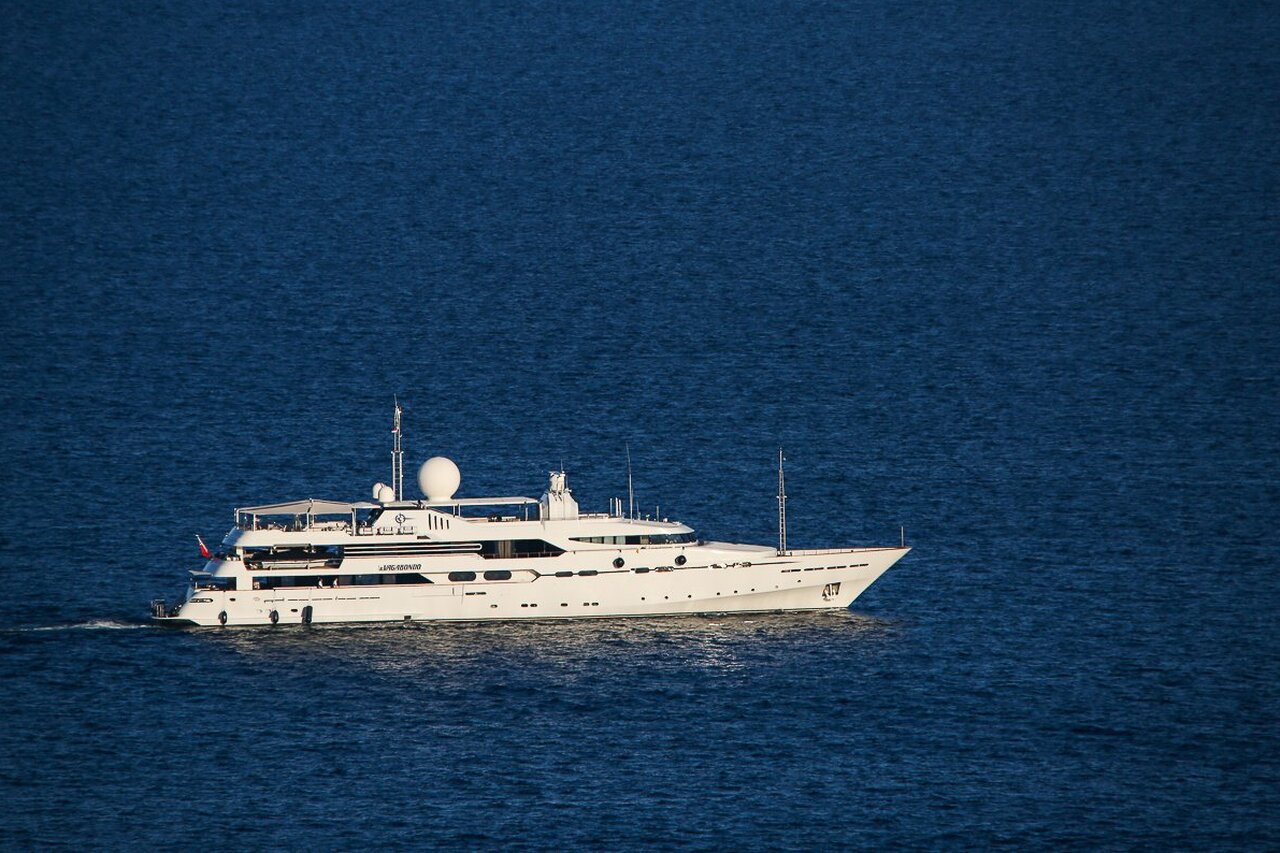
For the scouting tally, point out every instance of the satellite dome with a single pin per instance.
(377, 489)
(384, 493)
(439, 478)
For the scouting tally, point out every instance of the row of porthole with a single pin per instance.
(821, 568)
(680, 560)
(668, 598)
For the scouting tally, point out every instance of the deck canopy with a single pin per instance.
(315, 506)
(311, 506)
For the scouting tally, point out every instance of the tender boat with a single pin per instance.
(478, 558)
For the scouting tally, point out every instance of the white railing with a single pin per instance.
(814, 552)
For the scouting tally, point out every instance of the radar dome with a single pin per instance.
(439, 478)
(377, 489)
(384, 493)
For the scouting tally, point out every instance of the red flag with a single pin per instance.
(204, 551)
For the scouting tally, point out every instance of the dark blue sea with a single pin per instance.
(1006, 274)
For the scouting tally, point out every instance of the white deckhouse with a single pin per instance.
(464, 559)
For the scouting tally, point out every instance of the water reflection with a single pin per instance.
(727, 643)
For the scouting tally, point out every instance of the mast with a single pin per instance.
(397, 455)
(631, 491)
(782, 507)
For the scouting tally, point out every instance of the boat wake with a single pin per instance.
(90, 625)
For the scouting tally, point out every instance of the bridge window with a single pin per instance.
(510, 549)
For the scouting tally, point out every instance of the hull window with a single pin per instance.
(336, 581)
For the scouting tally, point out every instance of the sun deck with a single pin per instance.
(360, 516)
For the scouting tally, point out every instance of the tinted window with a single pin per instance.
(462, 576)
(223, 583)
(497, 576)
(338, 581)
(507, 549)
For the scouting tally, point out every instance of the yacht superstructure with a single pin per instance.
(467, 559)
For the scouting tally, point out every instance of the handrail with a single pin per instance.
(813, 552)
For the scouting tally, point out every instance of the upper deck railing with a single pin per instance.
(249, 521)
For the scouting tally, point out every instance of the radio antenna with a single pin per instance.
(631, 489)
(397, 454)
(782, 507)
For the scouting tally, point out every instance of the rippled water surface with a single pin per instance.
(1003, 274)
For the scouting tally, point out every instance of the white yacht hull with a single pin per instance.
(716, 578)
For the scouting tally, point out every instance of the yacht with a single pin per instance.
(448, 558)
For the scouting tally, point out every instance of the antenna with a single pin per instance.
(631, 490)
(397, 454)
(782, 507)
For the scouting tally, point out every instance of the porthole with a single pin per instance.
(681, 560)
(619, 563)
(497, 575)
(462, 577)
